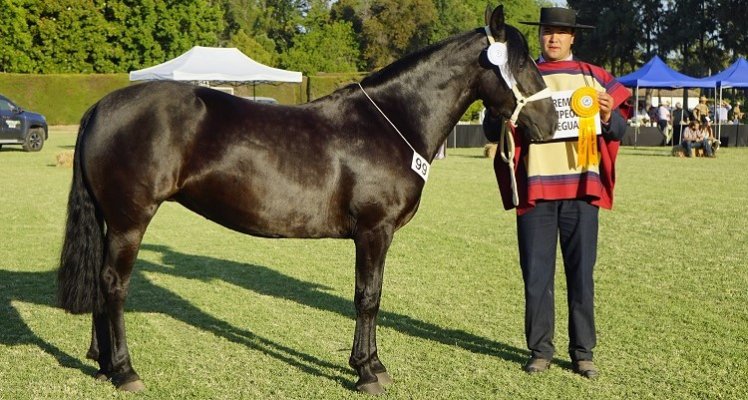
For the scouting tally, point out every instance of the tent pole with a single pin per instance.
(636, 116)
(719, 128)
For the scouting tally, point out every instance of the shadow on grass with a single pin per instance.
(39, 288)
(465, 156)
(36, 288)
(269, 282)
(147, 297)
(14, 149)
(653, 151)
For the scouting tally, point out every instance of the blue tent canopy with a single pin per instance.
(736, 75)
(657, 74)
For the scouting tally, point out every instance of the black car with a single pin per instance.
(18, 126)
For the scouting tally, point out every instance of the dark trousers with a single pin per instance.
(703, 144)
(573, 223)
(662, 124)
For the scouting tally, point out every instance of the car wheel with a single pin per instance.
(34, 140)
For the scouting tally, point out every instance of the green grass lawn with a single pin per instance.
(214, 314)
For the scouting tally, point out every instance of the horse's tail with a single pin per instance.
(83, 249)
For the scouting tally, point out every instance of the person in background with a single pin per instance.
(642, 117)
(652, 113)
(663, 117)
(701, 111)
(680, 120)
(694, 137)
(737, 114)
(721, 112)
(557, 199)
(708, 132)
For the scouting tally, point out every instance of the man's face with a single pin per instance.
(556, 42)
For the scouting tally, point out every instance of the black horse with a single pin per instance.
(333, 168)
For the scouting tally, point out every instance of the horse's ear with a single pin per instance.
(496, 22)
(489, 11)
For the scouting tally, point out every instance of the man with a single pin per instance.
(701, 111)
(680, 119)
(737, 115)
(696, 137)
(663, 117)
(722, 110)
(559, 198)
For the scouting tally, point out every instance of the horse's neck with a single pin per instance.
(426, 98)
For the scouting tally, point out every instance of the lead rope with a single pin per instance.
(507, 155)
(507, 150)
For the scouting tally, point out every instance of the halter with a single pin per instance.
(507, 149)
(509, 79)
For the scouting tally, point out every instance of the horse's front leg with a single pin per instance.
(371, 251)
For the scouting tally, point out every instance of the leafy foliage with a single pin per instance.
(699, 37)
(15, 38)
(103, 36)
(324, 45)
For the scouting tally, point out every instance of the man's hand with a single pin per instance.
(606, 105)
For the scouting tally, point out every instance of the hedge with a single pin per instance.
(63, 98)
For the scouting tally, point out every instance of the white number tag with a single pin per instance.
(420, 166)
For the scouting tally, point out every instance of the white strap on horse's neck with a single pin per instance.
(418, 164)
(385, 117)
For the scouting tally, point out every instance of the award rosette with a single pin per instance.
(584, 104)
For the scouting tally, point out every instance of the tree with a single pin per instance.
(67, 36)
(255, 47)
(286, 18)
(615, 42)
(732, 25)
(15, 39)
(148, 32)
(323, 44)
(455, 16)
(387, 29)
(247, 25)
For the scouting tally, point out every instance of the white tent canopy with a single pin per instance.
(215, 64)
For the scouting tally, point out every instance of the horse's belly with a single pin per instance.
(272, 210)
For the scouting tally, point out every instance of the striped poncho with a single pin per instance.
(548, 170)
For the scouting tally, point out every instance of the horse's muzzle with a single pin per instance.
(537, 134)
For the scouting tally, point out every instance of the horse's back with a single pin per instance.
(278, 171)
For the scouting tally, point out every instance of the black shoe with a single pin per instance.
(586, 368)
(536, 365)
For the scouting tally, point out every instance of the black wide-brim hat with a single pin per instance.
(558, 16)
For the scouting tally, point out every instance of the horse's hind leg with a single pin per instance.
(109, 343)
(371, 250)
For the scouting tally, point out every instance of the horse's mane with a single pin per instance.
(405, 63)
(516, 47)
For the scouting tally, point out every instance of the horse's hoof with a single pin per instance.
(373, 388)
(134, 386)
(100, 376)
(384, 378)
